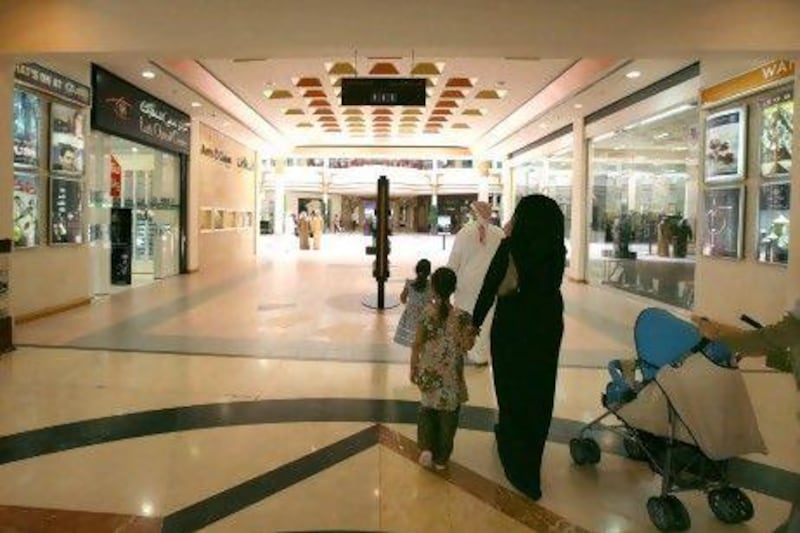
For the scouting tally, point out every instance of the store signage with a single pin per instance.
(383, 91)
(116, 178)
(122, 109)
(223, 157)
(748, 82)
(216, 154)
(43, 79)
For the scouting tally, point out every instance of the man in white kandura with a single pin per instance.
(472, 252)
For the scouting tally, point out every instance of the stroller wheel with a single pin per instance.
(731, 505)
(668, 513)
(584, 451)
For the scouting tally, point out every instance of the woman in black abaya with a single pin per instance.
(526, 335)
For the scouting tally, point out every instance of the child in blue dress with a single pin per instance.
(416, 295)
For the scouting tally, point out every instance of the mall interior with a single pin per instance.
(172, 360)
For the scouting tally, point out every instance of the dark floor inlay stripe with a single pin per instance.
(233, 500)
(759, 477)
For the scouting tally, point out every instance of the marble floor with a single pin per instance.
(263, 396)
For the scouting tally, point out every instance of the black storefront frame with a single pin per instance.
(183, 165)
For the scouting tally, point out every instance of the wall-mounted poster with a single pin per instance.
(26, 129)
(26, 210)
(776, 135)
(725, 145)
(722, 221)
(66, 139)
(66, 211)
(773, 222)
(219, 219)
(206, 219)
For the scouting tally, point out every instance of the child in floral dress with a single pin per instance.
(444, 336)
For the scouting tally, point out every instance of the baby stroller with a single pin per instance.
(684, 410)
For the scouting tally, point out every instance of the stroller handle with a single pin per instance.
(751, 321)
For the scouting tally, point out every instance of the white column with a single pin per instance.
(793, 273)
(484, 168)
(279, 197)
(507, 200)
(581, 203)
(193, 201)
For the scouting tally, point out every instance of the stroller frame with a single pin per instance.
(666, 511)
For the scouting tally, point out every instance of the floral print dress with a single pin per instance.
(440, 374)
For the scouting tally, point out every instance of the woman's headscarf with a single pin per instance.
(537, 244)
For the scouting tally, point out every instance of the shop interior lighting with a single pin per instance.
(578, 106)
(604, 136)
(660, 136)
(148, 74)
(665, 114)
(632, 75)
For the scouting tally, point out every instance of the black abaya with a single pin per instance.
(525, 343)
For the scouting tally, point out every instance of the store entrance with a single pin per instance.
(135, 209)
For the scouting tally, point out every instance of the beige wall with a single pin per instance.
(214, 184)
(726, 289)
(46, 276)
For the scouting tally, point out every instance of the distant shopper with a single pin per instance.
(316, 229)
(474, 247)
(416, 295)
(303, 230)
(525, 279)
(437, 368)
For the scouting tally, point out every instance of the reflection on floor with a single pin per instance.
(246, 398)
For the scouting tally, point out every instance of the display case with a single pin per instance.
(722, 222)
(773, 223)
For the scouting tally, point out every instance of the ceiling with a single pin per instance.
(466, 97)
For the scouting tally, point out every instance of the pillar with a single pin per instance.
(279, 194)
(507, 200)
(7, 169)
(484, 168)
(793, 271)
(581, 203)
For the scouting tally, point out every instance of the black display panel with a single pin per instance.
(383, 91)
(122, 109)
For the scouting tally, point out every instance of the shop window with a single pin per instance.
(643, 207)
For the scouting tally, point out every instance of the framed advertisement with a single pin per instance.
(219, 219)
(66, 211)
(725, 145)
(777, 132)
(773, 222)
(66, 139)
(27, 120)
(723, 222)
(26, 210)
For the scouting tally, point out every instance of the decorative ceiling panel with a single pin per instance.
(450, 86)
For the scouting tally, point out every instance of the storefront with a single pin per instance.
(137, 185)
(49, 155)
(643, 218)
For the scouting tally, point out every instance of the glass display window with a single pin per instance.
(643, 194)
(773, 222)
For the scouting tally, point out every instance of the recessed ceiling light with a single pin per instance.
(134, 149)
(633, 74)
(578, 106)
(544, 125)
(149, 74)
(196, 104)
(663, 135)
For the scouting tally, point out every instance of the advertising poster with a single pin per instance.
(26, 210)
(66, 139)
(776, 136)
(722, 235)
(26, 129)
(773, 222)
(725, 145)
(116, 178)
(66, 211)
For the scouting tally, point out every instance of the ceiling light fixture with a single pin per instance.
(149, 74)
(661, 136)
(544, 125)
(632, 75)
(578, 106)
(196, 104)
(134, 149)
